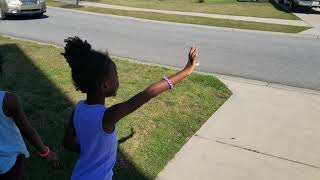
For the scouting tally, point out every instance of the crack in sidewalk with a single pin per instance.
(259, 152)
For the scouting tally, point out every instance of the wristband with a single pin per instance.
(46, 153)
(168, 81)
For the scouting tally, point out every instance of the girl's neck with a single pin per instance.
(95, 99)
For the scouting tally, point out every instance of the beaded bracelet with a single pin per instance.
(168, 81)
(46, 153)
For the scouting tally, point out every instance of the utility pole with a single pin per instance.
(77, 2)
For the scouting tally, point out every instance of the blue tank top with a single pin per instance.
(98, 149)
(11, 141)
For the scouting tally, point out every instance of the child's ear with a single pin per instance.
(105, 86)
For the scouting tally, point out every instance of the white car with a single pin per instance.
(22, 7)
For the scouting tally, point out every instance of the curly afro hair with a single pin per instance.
(88, 66)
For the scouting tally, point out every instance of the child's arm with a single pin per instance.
(118, 111)
(13, 108)
(69, 141)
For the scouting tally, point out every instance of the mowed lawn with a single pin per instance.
(228, 7)
(41, 77)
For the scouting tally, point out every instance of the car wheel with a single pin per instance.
(292, 6)
(2, 15)
(307, 9)
(38, 15)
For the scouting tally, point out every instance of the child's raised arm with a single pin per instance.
(13, 108)
(118, 111)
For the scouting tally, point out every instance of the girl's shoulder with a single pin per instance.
(83, 106)
(10, 102)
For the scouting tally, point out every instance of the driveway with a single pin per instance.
(313, 18)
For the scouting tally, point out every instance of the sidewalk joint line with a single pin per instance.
(259, 152)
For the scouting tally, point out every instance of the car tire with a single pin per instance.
(307, 9)
(39, 16)
(292, 6)
(2, 15)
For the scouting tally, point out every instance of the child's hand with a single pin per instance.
(192, 60)
(52, 156)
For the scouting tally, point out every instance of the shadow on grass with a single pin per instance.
(48, 110)
(280, 7)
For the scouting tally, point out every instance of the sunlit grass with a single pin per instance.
(41, 77)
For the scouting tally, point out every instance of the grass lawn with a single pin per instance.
(41, 77)
(228, 7)
(187, 19)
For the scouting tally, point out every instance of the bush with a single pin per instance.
(200, 1)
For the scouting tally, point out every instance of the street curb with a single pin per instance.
(219, 76)
(230, 78)
(32, 41)
(306, 36)
(268, 84)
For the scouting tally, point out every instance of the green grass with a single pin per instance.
(188, 19)
(228, 7)
(41, 77)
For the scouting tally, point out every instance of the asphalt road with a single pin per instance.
(285, 60)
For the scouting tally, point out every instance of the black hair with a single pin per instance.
(88, 66)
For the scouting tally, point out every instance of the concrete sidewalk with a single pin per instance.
(217, 16)
(260, 133)
(313, 19)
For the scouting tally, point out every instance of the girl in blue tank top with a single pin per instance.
(92, 128)
(13, 151)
